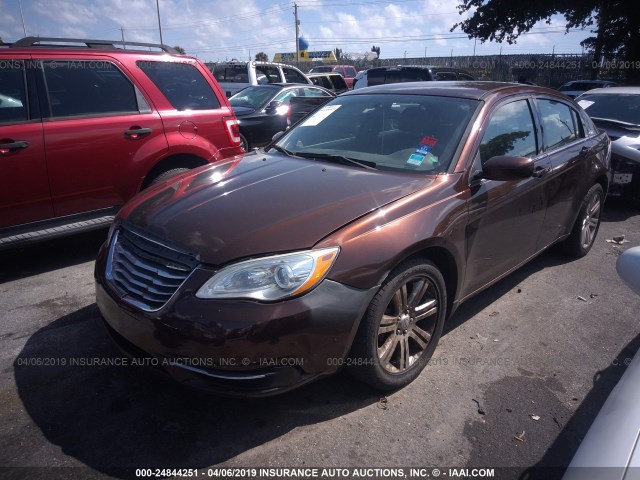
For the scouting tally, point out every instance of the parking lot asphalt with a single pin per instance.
(537, 353)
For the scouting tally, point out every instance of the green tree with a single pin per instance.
(616, 22)
(180, 50)
(262, 57)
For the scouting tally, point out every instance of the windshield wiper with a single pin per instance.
(341, 158)
(630, 126)
(281, 150)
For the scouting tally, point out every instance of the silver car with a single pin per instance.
(611, 448)
(617, 110)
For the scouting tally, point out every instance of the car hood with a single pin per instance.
(262, 203)
(624, 142)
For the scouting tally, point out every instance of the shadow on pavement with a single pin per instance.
(553, 464)
(21, 262)
(116, 419)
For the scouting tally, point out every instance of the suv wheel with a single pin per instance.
(162, 176)
(401, 327)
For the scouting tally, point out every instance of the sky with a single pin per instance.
(216, 30)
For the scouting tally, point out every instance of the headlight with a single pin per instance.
(271, 278)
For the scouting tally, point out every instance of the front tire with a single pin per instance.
(401, 327)
(585, 230)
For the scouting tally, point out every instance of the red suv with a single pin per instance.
(85, 125)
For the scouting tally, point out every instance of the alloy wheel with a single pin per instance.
(408, 324)
(590, 222)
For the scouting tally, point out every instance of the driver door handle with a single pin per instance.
(135, 133)
(6, 148)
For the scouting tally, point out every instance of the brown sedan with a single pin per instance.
(352, 238)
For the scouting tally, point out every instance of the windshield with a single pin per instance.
(623, 107)
(253, 97)
(391, 132)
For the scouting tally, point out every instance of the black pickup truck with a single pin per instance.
(300, 107)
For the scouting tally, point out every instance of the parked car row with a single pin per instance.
(347, 240)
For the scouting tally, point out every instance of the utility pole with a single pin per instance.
(159, 24)
(122, 34)
(24, 29)
(295, 14)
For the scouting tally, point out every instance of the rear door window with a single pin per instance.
(182, 84)
(267, 74)
(314, 92)
(510, 131)
(77, 87)
(558, 124)
(13, 97)
(446, 76)
(293, 76)
(339, 82)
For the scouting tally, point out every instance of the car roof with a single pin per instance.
(614, 90)
(475, 89)
(592, 82)
(86, 46)
(420, 67)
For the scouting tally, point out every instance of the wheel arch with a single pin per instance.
(445, 261)
(174, 161)
(604, 183)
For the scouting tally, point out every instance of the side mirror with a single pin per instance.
(272, 106)
(505, 168)
(276, 136)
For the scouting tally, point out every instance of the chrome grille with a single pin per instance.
(144, 272)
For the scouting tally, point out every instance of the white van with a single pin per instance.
(234, 76)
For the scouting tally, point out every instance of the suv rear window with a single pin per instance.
(182, 84)
(13, 103)
(77, 87)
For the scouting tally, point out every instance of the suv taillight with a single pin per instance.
(232, 129)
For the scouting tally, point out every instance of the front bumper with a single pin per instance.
(238, 347)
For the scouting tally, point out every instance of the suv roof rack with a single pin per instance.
(89, 43)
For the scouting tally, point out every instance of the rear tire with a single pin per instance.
(585, 230)
(244, 143)
(401, 327)
(162, 176)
